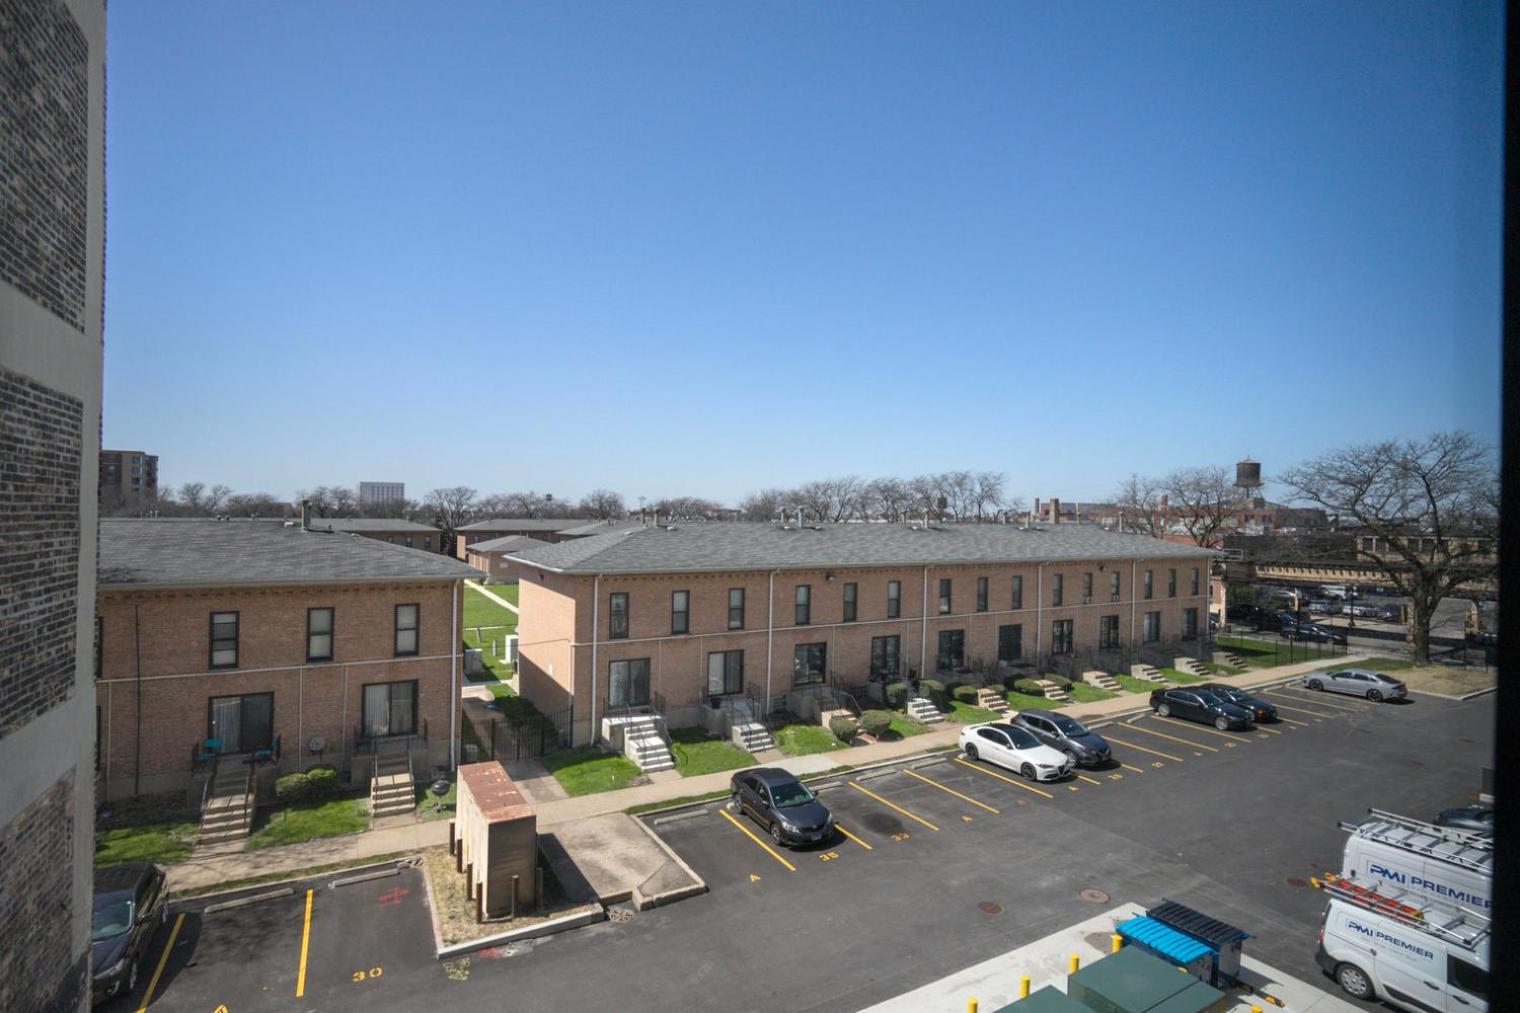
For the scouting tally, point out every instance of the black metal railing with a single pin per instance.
(364, 742)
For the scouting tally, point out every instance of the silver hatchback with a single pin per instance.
(1362, 682)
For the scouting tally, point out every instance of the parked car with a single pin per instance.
(1477, 818)
(1315, 632)
(1016, 749)
(1324, 607)
(1082, 747)
(1242, 613)
(1260, 709)
(1359, 682)
(783, 805)
(1197, 705)
(130, 904)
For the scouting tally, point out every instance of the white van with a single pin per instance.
(1443, 865)
(1435, 959)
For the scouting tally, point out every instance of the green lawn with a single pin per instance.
(498, 670)
(308, 821)
(1383, 664)
(1133, 685)
(799, 739)
(1030, 702)
(507, 591)
(425, 802)
(1218, 669)
(482, 611)
(150, 842)
(970, 714)
(695, 753)
(1182, 678)
(902, 727)
(1081, 692)
(585, 770)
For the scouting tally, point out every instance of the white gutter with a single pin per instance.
(1039, 605)
(454, 701)
(770, 629)
(1134, 596)
(596, 602)
(923, 630)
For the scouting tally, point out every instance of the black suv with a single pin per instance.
(130, 904)
(1084, 748)
(1260, 709)
(783, 805)
(1200, 705)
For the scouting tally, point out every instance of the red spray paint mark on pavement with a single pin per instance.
(393, 896)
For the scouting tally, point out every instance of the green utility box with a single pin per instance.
(1133, 981)
(1047, 1000)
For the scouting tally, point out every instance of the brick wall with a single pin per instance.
(40, 434)
(36, 881)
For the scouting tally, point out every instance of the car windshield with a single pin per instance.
(1022, 739)
(1229, 693)
(1071, 726)
(790, 794)
(112, 916)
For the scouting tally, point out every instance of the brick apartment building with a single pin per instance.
(679, 616)
(265, 636)
(544, 529)
(493, 557)
(128, 477)
(52, 281)
(395, 531)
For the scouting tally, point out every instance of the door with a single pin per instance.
(1041, 729)
(1410, 979)
(242, 723)
(993, 745)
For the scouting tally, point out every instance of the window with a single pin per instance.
(1470, 978)
(427, 543)
(390, 708)
(944, 596)
(1366, 544)
(1060, 636)
(1057, 588)
(725, 673)
(680, 611)
(628, 683)
(981, 594)
(1189, 622)
(804, 606)
(1087, 588)
(617, 615)
(406, 629)
(952, 650)
(240, 724)
(894, 599)
(884, 653)
(736, 608)
(850, 594)
(224, 639)
(1010, 642)
(1108, 632)
(1152, 627)
(408, 541)
(809, 663)
(1171, 582)
(1195, 580)
(319, 634)
(1017, 602)
(1113, 587)
(1147, 585)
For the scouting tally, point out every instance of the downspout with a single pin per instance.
(923, 628)
(1039, 605)
(770, 630)
(454, 700)
(137, 653)
(596, 602)
(1134, 572)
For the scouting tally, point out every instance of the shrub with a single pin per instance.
(844, 728)
(876, 723)
(966, 694)
(323, 779)
(1059, 680)
(896, 694)
(1028, 687)
(292, 788)
(933, 690)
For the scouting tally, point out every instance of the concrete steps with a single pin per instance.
(824, 717)
(645, 746)
(752, 737)
(1191, 667)
(227, 815)
(1149, 673)
(992, 700)
(1052, 690)
(923, 711)
(1102, 680)
(392, 789)
(1232, 659)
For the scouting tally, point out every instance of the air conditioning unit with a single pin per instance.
(1087, 599)
(1113, 597)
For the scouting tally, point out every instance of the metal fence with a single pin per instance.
(529, 736)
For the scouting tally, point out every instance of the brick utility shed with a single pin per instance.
(496, 832)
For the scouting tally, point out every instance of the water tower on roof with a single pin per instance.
(1248, 476)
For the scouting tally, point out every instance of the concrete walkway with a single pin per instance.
(193, 873)
(498, 599)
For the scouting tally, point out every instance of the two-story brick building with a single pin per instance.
(386, 529)
(257, 636)
(688, 615)
(495, 556)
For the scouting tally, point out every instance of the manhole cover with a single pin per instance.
(1296, 881)
(620, 915)
(1093, 895)
(990, 907)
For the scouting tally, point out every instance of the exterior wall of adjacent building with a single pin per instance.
(556, 651)
(52, 238)
(165, 637)
(431, 541)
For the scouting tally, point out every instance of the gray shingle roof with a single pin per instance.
(371, 524)
(509, 543)
(208, 553)
(588, 528)
(525, 524)
(735, 546)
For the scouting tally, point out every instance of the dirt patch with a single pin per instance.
(456, 916)
(1448, 679)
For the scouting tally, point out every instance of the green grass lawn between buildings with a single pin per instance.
(801, 739)
(586, 771)
(695, 753)
(163, 843)
(308, 821)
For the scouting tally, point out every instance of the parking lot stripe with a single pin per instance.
(1084, 777)
(1001, 777)
(1269, 731)
(963, 798)
(852, 837)
(1349, 708)
(1290, 721)
(1305, 710)
(1137, 726)
(891, 805)
(1128, 767)
(1213, 731)
(305, 944)
(746, 832)
(163, 959)
(1143, 749)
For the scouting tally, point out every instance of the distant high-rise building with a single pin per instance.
(52, 285)
(127, 477)
(373, 494)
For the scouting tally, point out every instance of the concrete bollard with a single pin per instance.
(1023, 986)
(1116, 942)
(1073, 963)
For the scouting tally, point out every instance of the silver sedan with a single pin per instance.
(1363, 682)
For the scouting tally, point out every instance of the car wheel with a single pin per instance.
(970, 751)
(1164, 711)
(1315, 684)
(1027, 772)
(1374, 695)
(1071, 758)
(1223, 724)
(776, 832)
(1354, 980)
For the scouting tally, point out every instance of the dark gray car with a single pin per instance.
(783, 805)
(130, 904)
(1083, 747)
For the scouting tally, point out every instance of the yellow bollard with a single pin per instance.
(1023, 986)
(1116, 941)
(1255, 1008)
(1073, 964)
(971, 1005)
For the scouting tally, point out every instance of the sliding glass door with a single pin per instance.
(241, 724)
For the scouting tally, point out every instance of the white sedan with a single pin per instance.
(1014, 749)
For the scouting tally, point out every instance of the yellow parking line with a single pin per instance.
(1143, 749)
(746, 831)
(1084, 777)
(891, 805)
(1318, 702)
(1211, 731)
(1128, 767)
(1137, 726)
(963, 798)
(305, 940)
(1290, 721)
(1000, 777)
(163, 959)
(1318, 715)
(852, 837)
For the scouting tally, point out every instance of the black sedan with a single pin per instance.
(1199, 705)
(1260, 709)
(1478, 819)
(783, 805)
(130, 904)
(1084, 747)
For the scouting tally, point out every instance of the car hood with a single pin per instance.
(1090, 741)
(1235, 711)
(808, 814)
(104, 953)
(1044, 754)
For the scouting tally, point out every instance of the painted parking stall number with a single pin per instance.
(828, 856)
(899, 837)
(373, 972)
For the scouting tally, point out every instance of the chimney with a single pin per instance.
(1164, 502)
(1037, 514)
(1055, 510)
(306, 515)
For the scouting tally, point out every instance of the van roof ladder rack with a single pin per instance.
(1461, 926)
(1459, 847)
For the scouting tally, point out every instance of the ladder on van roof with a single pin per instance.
(1458, 925)
(1448, 844)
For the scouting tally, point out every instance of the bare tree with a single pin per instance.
(887, 498)
(1138, 500)
(686, 508)
(830, 500)
(255, 504)
(603, 504)
(1203, 500)
(529, 504)
(765, 505)
(1429, 506)
(216, 497)
(986, 494)
(192, 496)
(450, 508)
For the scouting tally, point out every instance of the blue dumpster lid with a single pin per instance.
(1163, 939)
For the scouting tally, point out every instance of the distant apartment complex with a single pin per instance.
(681, 617)
(544, 529)
(127, 478)
(374, 494)
(495, 556)
(52, 274)
(394, 531)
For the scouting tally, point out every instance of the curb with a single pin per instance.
(696, 886)
(1458, 699)
(298, 876)
(547, 928)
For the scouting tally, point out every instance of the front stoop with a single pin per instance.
(992, 700)
(752, 737)
(645, 746)
(1234, 660)
(1150, 673)
(1191, 667)
(923, 711)
(228, 814)
(392, 790)
(1052, 690)
(1102, 680)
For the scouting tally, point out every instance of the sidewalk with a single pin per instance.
(498, 599)
(194, 874)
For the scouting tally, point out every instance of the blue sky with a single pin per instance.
(703, 248)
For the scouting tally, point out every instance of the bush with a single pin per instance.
(323, 778)
(1028, 687)
(896, 694)
(292, 788)
(844, 728)
(1059, 680)
(876, 723)
(933, 690)
(965, 694)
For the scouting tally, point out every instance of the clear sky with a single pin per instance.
(689, 248)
